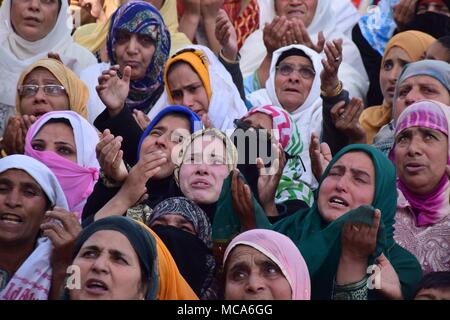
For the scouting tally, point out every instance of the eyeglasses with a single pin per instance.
(145, 40)
(30, 90)
(305, 72)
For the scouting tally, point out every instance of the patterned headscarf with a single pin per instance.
(143, 18)
(188, 210)
(290, 187)
(434, 206)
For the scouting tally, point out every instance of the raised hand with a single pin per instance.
(274, 34)
(301, 36)
(62, 228)
(110, 156)
(346, 119)
(141, 118)
(404, 12)
(14, 138)
(329, 75)
(206, 121)
(242, 202)
(113, 90)
(226, 35)
(390, 283)
(320, 155)
(268, 181)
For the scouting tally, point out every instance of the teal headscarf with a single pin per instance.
(319, 241)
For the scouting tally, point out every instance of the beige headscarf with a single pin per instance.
(230, 149)
(76, 90)
(414, 43)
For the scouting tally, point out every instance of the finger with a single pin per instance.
(248, 197)
(118, 160)
(336, 110)
(234, 186)
(54, 237)
(54, 231)
(375, 223)
(320, 42)
(326, 151)
(127, 74)
(67, 218)
(107, 137)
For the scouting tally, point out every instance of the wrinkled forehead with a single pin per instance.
(207, 144)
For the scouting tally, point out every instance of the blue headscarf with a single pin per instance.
(194, 119)
(143, 18)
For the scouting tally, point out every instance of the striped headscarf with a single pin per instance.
(291, 187)
(143, 18)
(432, 207)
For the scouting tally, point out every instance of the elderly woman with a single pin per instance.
(37, 233)
(295, 26)
(22, 42)
(294, 85)
(65, 142)
(265, 265)
(186, 231)
(403, 48)
(120, 259)
(46, 85)
(138, 46)
(348, 229)
(195, 78)
(421, 155)
(427, 79)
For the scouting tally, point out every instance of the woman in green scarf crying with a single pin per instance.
(346, 237)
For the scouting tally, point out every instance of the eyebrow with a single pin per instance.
(117, 253)
(56, 142)
(353, 170)
(160, 128)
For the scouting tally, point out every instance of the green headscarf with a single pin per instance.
(319, 241)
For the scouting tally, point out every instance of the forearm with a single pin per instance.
(271, 210)
(58, 281)
(236, 74)
(210, 27)
(117, 206)
(350, 270)
(264, 71)
(188, 24)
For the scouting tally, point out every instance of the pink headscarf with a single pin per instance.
(76, 179)
(432, 207)
(282, 251)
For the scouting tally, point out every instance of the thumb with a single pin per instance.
(447, 170)
(127, 74)
(382, 260)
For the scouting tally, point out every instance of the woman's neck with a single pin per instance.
(12, 257)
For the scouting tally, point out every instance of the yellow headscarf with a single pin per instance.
(198, 61)
(76, 90)
(93, 36)
(171, 284)
(230, 149)
(414, 43)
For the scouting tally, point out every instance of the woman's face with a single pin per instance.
(55, 99)
(33, 20)
(393, 65)
(293, 88)
(135, 50)
(419, 88)
(350, 183)
(174, 220)
(203, 170)
(251, 275)
(436, 51)
(421, 156)
(22, 207)
(165, 136)
(301, 9)
(58, 138)
(260, 120)
(437, 6)
(187, 89)
(109, 269)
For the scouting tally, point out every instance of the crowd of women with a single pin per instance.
(238, 149)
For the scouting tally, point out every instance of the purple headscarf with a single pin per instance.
(432, 207)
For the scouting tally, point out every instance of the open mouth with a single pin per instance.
(95, 286)
(11, 218)
(414, 167)
(338, 202)
(200, 184)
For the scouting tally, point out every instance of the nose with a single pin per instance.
(132, 45)
(13, 199)
(342, 183)
(202, 168)
(255, 284)
(412, 97)
(100, 264)
(188, 100)
(34, 4)
(294, 76)
(40, 96)
(415, 146)
(162, 140)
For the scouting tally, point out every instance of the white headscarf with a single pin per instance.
(76, 179)
(32, 281)
(226, 103)
(308, 116)
(351, 72)
(17, 53)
